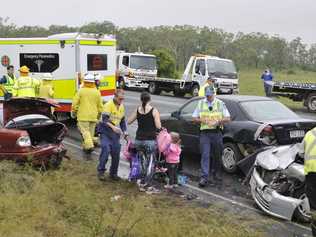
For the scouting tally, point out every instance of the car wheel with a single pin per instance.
(231, 155)
(301, 212)
(152, 88)
(178, 93)
(311, 102)
(195, 90)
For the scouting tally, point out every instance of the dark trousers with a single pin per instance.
(267, 89)
(211, 143)
(172, 173)
(109, 146)
(311, 194)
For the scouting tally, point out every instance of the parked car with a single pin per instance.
(28, 132)
(271, 122)
(278, 183)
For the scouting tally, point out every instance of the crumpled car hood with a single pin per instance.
(278, 158)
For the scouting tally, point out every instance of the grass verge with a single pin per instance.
(72, 202)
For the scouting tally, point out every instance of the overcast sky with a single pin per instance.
(287, 18)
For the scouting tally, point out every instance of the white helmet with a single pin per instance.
(97, 76)
(47, 76)
(88, 77)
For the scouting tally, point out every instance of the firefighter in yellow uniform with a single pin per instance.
(310, 172)
(46, 89)
(25, 86)
(87, 106)
(209, 82)
(8, 82)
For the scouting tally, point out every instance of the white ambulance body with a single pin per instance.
(66, 56)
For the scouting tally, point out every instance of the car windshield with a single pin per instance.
(223, 66)
(267, 110)
(143, 62)
(28, 120)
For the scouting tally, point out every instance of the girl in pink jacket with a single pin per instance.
(172, 154)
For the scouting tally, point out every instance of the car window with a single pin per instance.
(267, 110)
(189, 108)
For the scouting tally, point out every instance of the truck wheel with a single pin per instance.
(195, 90)
(301, 212)
(311, 102)
(152, 88)
(178, 93)
(231, 155)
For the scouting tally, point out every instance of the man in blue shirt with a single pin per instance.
(267, 78)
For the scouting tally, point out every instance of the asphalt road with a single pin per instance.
(231, 191)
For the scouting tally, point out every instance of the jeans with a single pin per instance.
(267, 89)
(109, 146)
(211, 143)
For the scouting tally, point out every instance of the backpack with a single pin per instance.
(163, 140)
(135, 172)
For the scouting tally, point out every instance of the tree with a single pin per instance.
(166, 63)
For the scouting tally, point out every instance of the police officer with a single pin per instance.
(209, 82)
(87, 107)
(112, 127)
(25, 86)
(309, 143)
(8, 82)
(211, 113)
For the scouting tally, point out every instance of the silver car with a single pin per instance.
(278, 183)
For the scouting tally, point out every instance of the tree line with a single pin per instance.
(178, 43)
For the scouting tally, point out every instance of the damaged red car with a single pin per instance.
(29, 133)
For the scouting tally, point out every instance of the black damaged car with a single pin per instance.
(256, 122)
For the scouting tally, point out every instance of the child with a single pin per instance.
(172, 154)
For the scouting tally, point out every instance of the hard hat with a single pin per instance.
(24, 69)
(47, 76)
(97, 76)
(89, 77)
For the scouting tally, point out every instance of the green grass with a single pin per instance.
(251, 84)
(72, 202)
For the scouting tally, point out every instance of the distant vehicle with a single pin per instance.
(278, 183)
(198, 69)
(272, 122)
(66, 56)
(305, 92)
(28, 132)
(135, 68)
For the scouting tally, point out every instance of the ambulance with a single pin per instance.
(67, 56)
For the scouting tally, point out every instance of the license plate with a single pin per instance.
(297, 133)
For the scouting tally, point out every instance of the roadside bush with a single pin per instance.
(166, 64)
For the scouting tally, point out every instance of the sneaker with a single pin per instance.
(152, 190)
(101, 176)
(203, 183)
(175, 186)
(167, 186)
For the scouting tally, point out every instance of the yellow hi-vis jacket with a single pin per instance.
(46, 89)
(205, 113)
(310, 152)
(202, 89)
(87, 104)
(25, 86)
(10, 83)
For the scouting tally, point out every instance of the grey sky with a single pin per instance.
(287, 18)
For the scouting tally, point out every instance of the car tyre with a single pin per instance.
(195, 90)
(300, 213)
(152, 88)
(178, 93)
(231, 155)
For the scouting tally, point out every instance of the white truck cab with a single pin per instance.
(135, 68)
(201, 67)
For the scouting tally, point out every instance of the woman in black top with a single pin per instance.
(148, 120)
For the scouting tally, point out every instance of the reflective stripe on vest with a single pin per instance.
(26, 87)
(310, 152)
(205, 113)
(10, 83)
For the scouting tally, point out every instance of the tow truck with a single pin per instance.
(305, 92)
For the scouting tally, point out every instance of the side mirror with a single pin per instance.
(175, 114)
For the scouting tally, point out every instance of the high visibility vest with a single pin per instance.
(10, 83)
(310, 152)
(215, 114)
(25, 87)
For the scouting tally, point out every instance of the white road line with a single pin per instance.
(240, 204)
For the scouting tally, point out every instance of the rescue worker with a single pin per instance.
(46, 89)
(87, 107)
(211, 113)
(25, 86)
(209, 82)
(8, 81)
(309, 143)
(111, 128)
